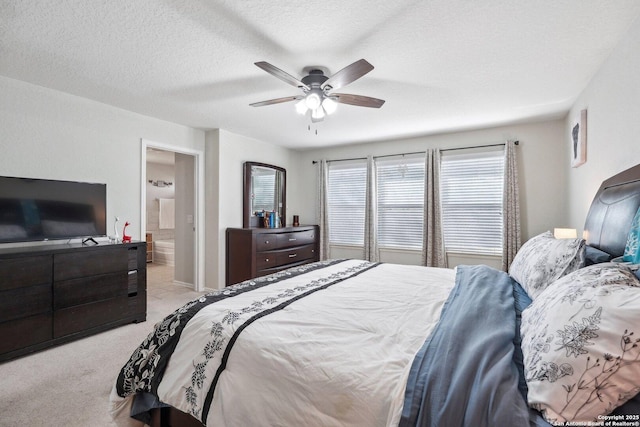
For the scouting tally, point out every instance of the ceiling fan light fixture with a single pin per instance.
(313, 101)
(329, 105)
(301, 107)
(318, 113)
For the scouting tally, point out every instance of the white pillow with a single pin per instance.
(580, 344)
(543, 259)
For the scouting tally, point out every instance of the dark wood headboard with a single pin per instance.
(612, 210)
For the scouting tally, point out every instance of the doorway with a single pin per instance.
(170, 214)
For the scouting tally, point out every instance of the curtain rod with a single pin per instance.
(478, 146)
(418, 152)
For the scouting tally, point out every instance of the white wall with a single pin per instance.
(541, 158)
(226, 153)
(50, 134)
(612, 100)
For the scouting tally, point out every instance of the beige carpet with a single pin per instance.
(69, 385)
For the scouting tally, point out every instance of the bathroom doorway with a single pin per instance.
(170, 214)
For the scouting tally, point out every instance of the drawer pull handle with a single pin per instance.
(293, 239)
(266, 242)
(266, 260)
(293, 255)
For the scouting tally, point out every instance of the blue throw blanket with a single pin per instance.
(464, 375)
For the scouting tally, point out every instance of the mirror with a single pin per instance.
(265, 189)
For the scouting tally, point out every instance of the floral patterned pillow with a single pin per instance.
(580, 343)
(543, 259)
(632, 249)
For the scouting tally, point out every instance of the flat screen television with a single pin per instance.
(44, 209)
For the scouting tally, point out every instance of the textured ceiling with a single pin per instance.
(441, 65)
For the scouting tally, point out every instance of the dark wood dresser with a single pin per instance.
(254, 252)
(51, 294)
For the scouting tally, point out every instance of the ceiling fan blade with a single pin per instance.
(359, 100)
(285, 77)
(348, 74)
(277, 101)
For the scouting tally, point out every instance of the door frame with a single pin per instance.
(198, 182)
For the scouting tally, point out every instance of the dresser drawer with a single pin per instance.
(132, 258)
(266, 260)
(132, 282)
(296, 238)
(295, 254)
(24, 302)
(90, 289)
(80, 318)
(266, 242)
(25, 271)
(138, 305)
(20, 333)
(87, 263)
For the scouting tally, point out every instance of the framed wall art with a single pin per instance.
(579, 139)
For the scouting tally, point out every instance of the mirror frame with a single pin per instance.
(246, 220)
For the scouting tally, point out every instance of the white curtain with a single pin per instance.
(511, 236)
(371, 250)
(433, 254)
(323, 210)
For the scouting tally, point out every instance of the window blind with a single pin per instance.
(471, 201)
(346, 194)
(400, 200)
(264, 192)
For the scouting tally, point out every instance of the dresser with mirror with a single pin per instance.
(258, 249)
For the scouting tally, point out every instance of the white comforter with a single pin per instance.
(339, 356)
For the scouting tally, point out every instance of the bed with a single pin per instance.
(356, 343)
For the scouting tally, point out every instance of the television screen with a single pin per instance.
(42, 209)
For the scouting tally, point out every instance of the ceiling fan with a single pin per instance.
(317, 98)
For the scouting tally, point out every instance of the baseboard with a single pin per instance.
(185, 284)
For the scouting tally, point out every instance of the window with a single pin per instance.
(346, 193)
(400, 198)
(471, 195)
